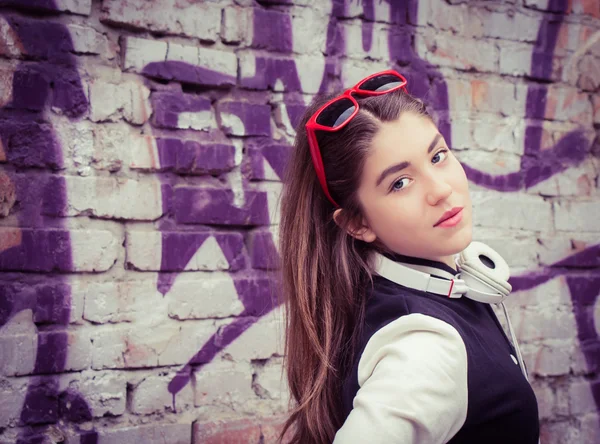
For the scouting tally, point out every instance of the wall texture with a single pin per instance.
(141, 148)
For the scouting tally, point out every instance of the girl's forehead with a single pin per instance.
(410, 134)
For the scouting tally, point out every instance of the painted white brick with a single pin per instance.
(87, 40)
(561, 406)
(545, 399)
(511, 210)
(200, 20)
(109, 347)
(497, 135)
(559, 432)
(173, 433)
(496, 163)
(12, 392)
(379, 48)
(461, 19)
(517, 248)
(126, 301)
(116, 145)
(486, 96)
(515, 58)
(579, 364)
(577, 216)
(18, 345)
(144, 252)
(179, 346)
(575, 181)
(272, 382)
(79, 354)
(143, 153)
(596, 106)
(82, 7)
(140, 52)
(537, 4)
(549, 360)
(152, 395)
(170, 343)
(381, 10)
(237, 25)
(545, 323)
(199, 120)
(144, 249)
(223, 62)
(510, 25)
(77, 141)
(128, 100)
(590, 427)
(104, 392)
(183, 53)
(553, 249)
(498, 98)
(564, 103)
(459, 96)
(309, 30)
(223, 382)
(552, 293)
(355, 70)
(440, 50)
(206, 295)
(581, 398)
(260, 341)
(94, 250)
(114, 198)
(462, 134)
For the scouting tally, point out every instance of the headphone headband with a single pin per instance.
(483, 275)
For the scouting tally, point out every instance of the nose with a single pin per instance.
(438, 190)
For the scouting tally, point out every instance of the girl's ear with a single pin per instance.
(358, 229)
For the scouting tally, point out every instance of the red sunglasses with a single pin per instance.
(336, 114)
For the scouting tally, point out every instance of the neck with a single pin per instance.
(448, 260)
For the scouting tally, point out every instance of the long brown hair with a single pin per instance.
(325, 271)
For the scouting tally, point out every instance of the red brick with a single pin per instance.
(236, 431)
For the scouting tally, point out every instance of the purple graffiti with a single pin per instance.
(40, 243)
(38, 250)
(581, 272)
(273, 32)
(570, 150)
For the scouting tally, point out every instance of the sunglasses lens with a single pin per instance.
(381, 83)
(336, 113)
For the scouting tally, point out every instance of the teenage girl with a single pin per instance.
(375, 243)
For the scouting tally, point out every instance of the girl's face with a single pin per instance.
(410, 179)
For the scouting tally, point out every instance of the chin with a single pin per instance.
(459, 242)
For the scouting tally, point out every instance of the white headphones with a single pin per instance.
(483, 275)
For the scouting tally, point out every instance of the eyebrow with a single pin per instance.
(400, 166)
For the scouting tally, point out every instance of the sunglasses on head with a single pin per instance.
(335, 114)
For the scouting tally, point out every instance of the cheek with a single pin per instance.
(460, 181)
(394, 217)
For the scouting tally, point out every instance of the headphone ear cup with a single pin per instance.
(486, 265)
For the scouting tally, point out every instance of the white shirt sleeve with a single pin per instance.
(413, 385)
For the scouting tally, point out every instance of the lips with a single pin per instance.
(448, 214)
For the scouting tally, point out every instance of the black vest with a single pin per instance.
(502, 407)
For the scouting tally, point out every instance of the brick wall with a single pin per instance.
(141, 149)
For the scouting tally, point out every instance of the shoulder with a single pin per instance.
(418, 336)
(388, 301)
(422, 362)
(392, 309)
